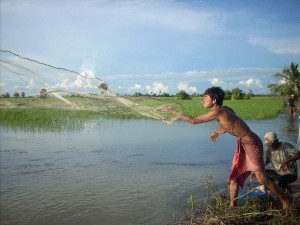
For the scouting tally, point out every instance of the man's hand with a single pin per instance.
(284, 166)
(252, 177)
(166, 110)
(214, 136)
(169, 110)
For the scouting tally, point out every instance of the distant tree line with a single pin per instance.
(180, 93)
(235, 94)
(16, 95)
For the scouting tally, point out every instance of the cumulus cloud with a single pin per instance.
(31, 84)
(136, 87)
(217, 82)
(228, 84)
(157, 88)
(252, 83)
(82, 82)
(64, 84)
(187, 88)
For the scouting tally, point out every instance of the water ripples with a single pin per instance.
(117, 175)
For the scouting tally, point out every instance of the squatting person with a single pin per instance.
(283, 156)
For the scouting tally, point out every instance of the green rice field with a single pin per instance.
(53, 114)
(257, 108)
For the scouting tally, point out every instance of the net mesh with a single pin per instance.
(56, 87)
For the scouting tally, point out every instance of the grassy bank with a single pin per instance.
(214, 210)
(53, 114)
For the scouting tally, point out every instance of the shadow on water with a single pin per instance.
(290, 129)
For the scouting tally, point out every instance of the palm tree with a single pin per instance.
(289, 81)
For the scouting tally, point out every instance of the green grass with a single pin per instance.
(257, 108)
(42, 116)
(35, 119)
(215, 210)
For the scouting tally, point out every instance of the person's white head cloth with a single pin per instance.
(270, 137)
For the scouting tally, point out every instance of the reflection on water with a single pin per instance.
(122, 172)
(292, 125)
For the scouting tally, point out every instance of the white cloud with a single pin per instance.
(136, 87)
(282, 81)
(227, 84)
(252, 83)
(31, 84)
(64, 84)
(226, 78)
(216, 82)
(82, 82)
(157, 88)
(187, 88)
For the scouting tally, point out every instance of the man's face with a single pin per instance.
(208, 101)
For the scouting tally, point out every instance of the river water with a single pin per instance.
(133, 172)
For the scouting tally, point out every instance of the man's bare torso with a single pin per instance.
(231, 123)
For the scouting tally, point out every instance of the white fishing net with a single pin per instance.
(56, 87)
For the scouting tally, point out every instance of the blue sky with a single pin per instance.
(158, 45)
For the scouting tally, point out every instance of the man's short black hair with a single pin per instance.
(216, 93)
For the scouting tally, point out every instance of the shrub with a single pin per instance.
(182, 95)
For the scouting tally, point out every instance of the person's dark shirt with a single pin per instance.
(291, 102)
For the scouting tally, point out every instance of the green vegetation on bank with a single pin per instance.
(257, 108)
(215, 210)
(39, 117)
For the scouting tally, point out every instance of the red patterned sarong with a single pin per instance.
(248, 157)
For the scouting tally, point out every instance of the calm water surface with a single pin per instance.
(119, 173)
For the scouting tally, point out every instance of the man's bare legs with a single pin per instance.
(264, 180)
(233, 189)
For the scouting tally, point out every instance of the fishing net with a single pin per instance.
(60, 88)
